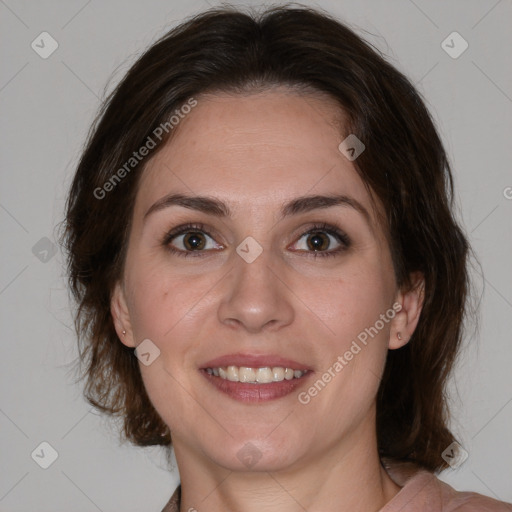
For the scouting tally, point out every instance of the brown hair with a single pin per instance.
(404, 165)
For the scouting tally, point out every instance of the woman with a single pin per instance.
(263, 212)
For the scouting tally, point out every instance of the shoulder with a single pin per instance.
(173, 505)
(461, 501)
(423, 491)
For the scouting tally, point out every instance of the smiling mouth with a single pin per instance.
(256, 378)
(260, 375)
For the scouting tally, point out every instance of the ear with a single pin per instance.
(406, 319)
(121, 316)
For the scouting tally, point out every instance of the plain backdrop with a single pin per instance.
(47, 106)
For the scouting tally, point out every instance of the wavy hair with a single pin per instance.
(404, 165)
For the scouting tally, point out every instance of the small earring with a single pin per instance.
(399, 336)
(124, 332)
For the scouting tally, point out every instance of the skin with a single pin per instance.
(256, 152)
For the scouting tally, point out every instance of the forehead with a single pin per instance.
(253, 151)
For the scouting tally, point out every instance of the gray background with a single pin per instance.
(47, 106)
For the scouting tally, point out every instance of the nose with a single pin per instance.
(255, 297)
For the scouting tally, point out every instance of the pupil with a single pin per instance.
(316, 241)
(194, 241)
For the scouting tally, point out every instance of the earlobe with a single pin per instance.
(406, 319)
(121, 316)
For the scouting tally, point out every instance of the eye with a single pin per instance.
(189, 239)
(193, 239)
(322, 236)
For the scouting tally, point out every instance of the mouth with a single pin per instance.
(262, 375)
(254, 379)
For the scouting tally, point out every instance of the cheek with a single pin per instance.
(358, 311)
(355, 302)
(171, 310)
(162, 309)
(152, 309)
(160, 300)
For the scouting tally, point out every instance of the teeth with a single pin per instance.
(278, 374)
(233, 373)
(264, 375)
(246, 374)
(256, 375)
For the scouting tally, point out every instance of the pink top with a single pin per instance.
(421, 491)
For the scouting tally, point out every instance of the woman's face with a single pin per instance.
(252, 291)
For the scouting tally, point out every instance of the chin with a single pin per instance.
(257, 455)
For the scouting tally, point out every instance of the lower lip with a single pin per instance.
(253, 393)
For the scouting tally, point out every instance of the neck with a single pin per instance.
(345, 477)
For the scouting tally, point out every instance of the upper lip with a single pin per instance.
(255, 361)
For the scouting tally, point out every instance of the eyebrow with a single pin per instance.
(213, 206)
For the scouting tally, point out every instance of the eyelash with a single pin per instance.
(323, 227)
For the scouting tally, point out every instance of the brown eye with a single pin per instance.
(318, 241)
(323, 239)
(194, 241)
(190, 240)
